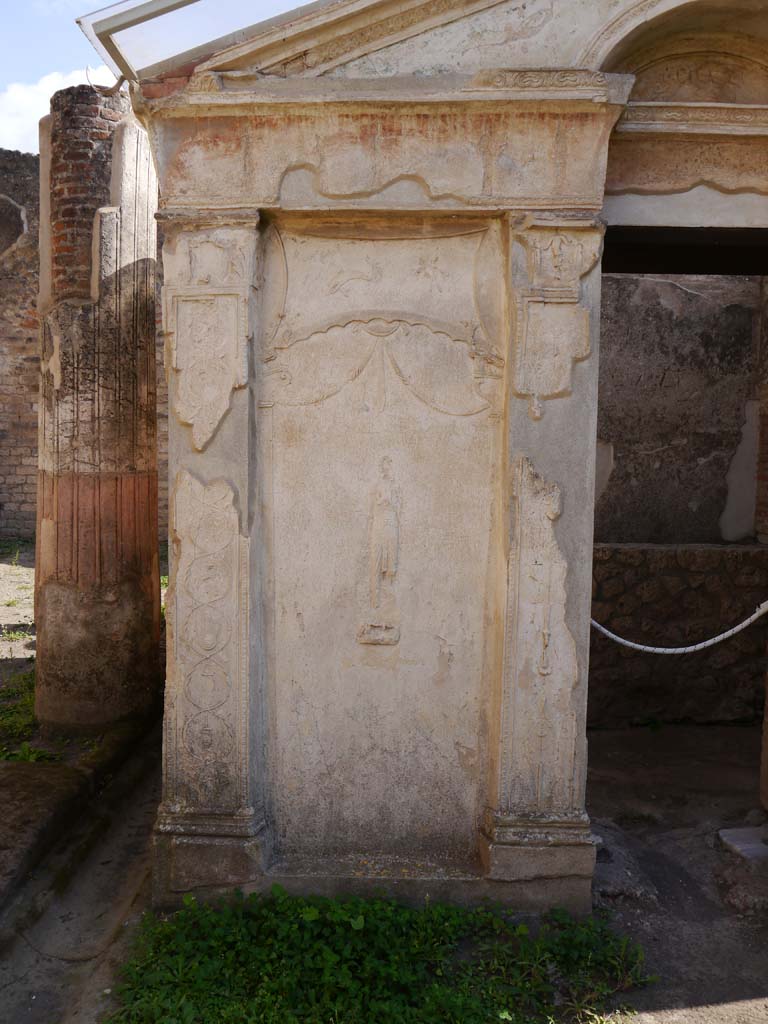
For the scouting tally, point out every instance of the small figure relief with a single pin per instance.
(383, 626)
(544, 674)
(429, 269)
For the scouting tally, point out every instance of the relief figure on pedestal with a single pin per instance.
(384, 544)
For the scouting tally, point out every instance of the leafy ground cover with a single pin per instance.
(17, 708)
(281, 959)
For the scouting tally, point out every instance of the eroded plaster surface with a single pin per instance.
(382, 316)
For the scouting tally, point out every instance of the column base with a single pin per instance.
(535, 850)
(206, 851)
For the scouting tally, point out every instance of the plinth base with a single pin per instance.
(212, 867)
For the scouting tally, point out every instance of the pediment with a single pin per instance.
(328, 36)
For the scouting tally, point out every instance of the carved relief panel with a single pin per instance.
(206, 723)
(206, 308)
(551, 323)
(540, 665)
(380, 394)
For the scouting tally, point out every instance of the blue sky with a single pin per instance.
(40, 36)
(42, 50)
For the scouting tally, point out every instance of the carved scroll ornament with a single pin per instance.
(205, 619)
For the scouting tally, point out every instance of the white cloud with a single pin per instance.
(23, 104)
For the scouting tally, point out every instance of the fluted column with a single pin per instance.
(97, 581)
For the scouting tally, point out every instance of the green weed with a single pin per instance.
(11, 550)
(11, 603)
(17, 708)
(14, 635)
(282, 959)
(26, 752)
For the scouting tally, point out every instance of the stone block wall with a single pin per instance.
(19, 357)
(670, 596)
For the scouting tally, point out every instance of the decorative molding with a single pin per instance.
(384, 345)
(645, 118)
(237, 88)
(207, 756)
(190, 219)
(610, 35)
(527, 79)
(552, 329)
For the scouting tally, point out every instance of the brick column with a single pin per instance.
(97, 581)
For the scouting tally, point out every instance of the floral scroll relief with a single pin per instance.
(206, 627)
(553, 327)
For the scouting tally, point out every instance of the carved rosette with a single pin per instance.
(552, 329)
(206, 318)
(207, 738)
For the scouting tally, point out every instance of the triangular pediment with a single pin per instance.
(316, 40)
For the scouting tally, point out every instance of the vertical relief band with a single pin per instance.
(209, 272)
(208, 775)
(552, 324)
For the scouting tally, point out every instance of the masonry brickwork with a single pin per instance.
(19, 343)
(97, 588)
(19, 359)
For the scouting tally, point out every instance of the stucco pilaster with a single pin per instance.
(211, 815)
(536, 824)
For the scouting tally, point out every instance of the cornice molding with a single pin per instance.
(231, 92)
(693, 119)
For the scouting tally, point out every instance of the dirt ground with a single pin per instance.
(657, 797)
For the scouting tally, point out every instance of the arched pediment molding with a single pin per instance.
(648, 27)
(613, 34)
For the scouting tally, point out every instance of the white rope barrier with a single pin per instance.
(760, 610)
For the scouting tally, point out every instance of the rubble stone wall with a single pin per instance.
(670, 596)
